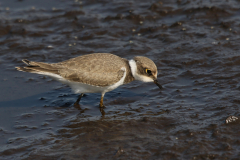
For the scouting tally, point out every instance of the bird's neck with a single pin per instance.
(134, 68)
(129, 77)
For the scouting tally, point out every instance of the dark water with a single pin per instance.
(195, 45)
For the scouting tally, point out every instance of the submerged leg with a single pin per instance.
(102, 111)
(78, 100)
(101, 105)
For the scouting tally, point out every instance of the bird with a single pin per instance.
(96, 72)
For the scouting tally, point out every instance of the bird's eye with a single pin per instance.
(149, 72)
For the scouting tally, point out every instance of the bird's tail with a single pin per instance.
(38, 67)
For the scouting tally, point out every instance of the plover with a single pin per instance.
(96, 73)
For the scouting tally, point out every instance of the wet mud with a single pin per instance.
(195, 45)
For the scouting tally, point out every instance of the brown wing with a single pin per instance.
(98, 69)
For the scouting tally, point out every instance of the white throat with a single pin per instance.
(137, 76)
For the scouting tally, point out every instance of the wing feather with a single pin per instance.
(95, 69)
(98, 69)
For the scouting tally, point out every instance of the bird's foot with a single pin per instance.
(102, 111)
(76, 104)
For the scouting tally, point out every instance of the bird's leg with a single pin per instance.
(101, 105)
(78, 100)
(102, 111)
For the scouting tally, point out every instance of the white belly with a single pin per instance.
(78, 87)
(85, 88)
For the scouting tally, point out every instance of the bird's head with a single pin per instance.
(144, 69)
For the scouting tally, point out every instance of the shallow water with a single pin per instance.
(195, 45)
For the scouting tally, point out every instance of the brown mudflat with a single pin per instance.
(195, 45)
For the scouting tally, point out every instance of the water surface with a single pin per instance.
(195, 45)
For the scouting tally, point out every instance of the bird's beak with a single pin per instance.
(159, 85)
